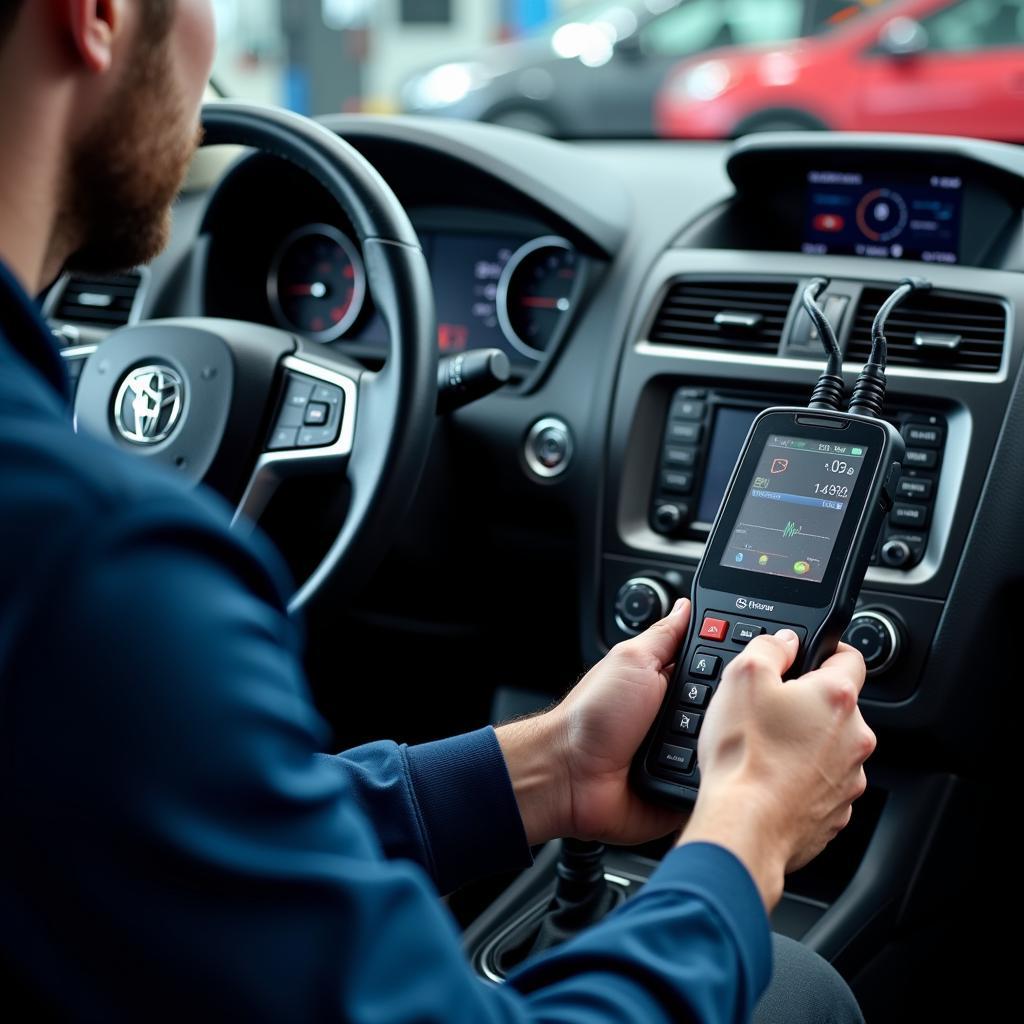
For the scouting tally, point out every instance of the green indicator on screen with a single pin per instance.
(856, 451)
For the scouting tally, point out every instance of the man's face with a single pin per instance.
(126, 171)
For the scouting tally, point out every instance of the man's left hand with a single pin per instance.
(570, 765)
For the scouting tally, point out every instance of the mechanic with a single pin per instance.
(175, 845)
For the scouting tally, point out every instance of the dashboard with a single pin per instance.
(504, 280)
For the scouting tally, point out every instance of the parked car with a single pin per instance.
(948, 66)
(596, 72)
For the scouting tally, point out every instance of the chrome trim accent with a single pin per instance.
(359, 295)
(931, 339)
(748, 321)
(894, 638)
(272, 467)
(483, 957)
(505, 281)
(533, 463)
(78, 352)
(659, 591)
(698, 355)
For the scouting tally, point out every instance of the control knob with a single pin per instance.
(878, 637)
(640, 603)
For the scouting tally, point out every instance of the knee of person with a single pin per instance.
(805, 989)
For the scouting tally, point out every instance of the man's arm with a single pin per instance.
(176, 847)
(448, 805)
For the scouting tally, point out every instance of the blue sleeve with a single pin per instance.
(448, 805)
(175, 849)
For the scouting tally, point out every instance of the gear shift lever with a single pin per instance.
(582, 897)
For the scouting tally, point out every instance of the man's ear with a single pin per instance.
(93, 26)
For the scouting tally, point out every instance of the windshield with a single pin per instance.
(660, 69)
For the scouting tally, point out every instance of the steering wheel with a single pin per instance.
(242, 407)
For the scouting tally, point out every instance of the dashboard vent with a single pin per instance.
(934, 330)
(735, 315)
(94, 301)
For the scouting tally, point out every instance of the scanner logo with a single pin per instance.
(758, 606)
(149, 404)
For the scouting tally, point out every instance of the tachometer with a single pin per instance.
(317, 283)
(536, 292)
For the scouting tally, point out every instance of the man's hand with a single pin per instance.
(570, 765)
(781, 763)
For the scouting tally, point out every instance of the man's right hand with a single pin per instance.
(781, 763)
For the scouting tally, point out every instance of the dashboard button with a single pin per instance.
(686, 722)
(676, 482)
(685, 458)
(744, 632)
(687, 433)
(905, 514)
(921, 459)
(298, 394)
(705, 666)
(916, 487)
(670, 516)
(923, 435)
(679, 759)
(688, 409)
(713, 629)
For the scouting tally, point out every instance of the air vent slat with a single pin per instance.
(980, 323)
(97, 301)
(689, 311)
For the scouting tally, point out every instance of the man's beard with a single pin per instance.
(126, 173)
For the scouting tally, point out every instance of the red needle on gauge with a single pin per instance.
(316, 290)
(537, 302)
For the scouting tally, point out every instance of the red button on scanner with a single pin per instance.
(714, 629)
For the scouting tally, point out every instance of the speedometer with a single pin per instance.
(317, 283)
(536, 293)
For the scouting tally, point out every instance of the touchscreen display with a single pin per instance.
(796, 504)
(851, 214)
(730, 431)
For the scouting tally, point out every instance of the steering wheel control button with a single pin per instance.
(877, 637)
(705, 666)
(283, 438)
(714, 629)
(917, 488)
(317, 437)
(640, 603)
(744, 632)
(694, 695)
(914, 516)
(317, 414)
(686, 722)
(298, 394)
(549, 448)
(919, 458)
(678, 759)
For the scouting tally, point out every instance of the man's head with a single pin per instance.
(127, 77)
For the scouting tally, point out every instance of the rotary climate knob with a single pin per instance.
(878, 637)
(640, 603)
